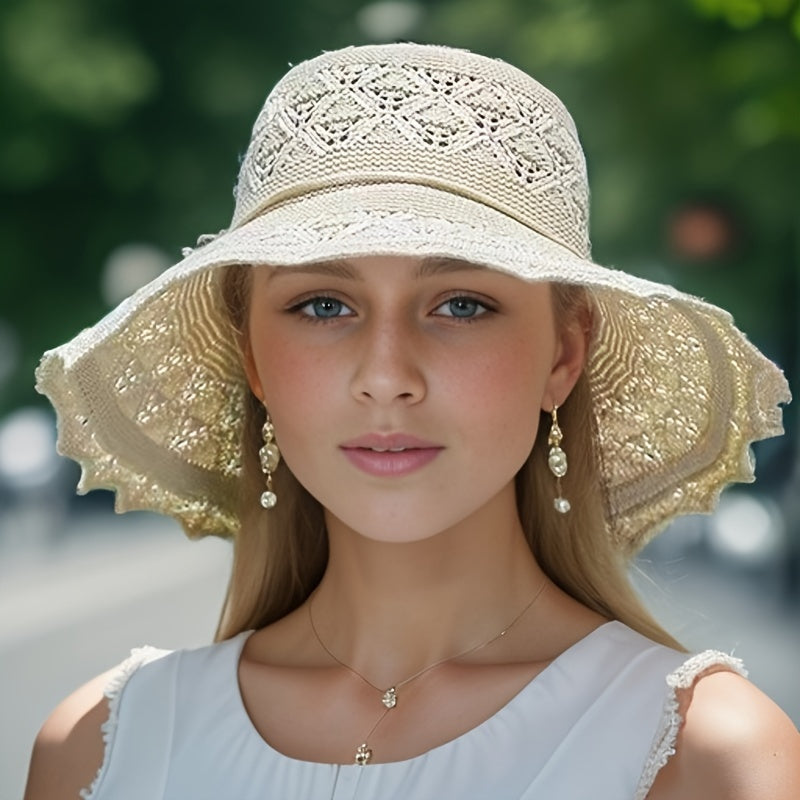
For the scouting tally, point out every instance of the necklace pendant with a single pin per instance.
(389, 698)
(363, 755)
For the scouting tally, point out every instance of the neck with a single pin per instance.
(389, 610)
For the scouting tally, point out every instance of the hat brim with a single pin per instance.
(149, 399)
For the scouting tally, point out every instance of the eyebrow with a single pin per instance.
(434, 265)
(335, 269)
(443, 265)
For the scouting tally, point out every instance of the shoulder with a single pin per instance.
(735, 743)
(70, 747)
(68, 750)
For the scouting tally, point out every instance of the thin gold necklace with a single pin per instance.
(389, 696)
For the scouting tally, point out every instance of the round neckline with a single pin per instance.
(508, 707)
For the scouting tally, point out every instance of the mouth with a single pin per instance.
(389, 449)
(389, 443)
(392, 455)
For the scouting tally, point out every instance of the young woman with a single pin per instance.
(436, 431)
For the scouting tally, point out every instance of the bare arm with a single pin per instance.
(735, 744)
(69, 748)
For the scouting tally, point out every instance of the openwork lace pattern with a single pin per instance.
(679, 680)
(156, 414)
(665, 378)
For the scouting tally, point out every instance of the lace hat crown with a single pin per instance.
(434, 116)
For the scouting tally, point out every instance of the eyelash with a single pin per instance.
(481, 304)
(298, 308)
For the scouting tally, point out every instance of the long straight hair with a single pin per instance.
(280, 556)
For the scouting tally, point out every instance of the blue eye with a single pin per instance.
(324, 308)
(462, 308)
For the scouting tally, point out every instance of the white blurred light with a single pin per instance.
(27, 449)
(386, 20)
(747, 529)
(130, 267)
(9, 350)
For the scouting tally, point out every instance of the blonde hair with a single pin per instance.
(279, 557)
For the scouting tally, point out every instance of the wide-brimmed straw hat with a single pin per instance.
(415, 150)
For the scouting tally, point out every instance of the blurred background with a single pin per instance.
(121, 128)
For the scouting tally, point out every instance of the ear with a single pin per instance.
(571, 351)
(249, 364)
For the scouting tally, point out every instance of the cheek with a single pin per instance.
(498, 398)
(505, 378)
(293, 389)
(296, 381)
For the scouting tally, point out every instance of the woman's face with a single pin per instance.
(405, 392)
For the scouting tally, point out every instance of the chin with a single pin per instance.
(406, 525)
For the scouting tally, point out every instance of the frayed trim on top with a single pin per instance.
(113, 692)
(684, 677)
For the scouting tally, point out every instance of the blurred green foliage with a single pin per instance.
(747, 13)
(123, 121)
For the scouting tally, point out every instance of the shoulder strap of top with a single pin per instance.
(113, 692)
(684, 677)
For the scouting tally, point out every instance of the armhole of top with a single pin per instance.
(684, 677)
(113, 693)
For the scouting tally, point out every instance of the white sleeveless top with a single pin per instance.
(599, 722)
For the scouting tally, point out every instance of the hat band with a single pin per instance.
(307, 191)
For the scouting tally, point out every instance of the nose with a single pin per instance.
(388, 368)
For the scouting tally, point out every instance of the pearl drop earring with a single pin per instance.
(557, 461)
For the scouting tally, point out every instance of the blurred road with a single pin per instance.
(72, 607)
(706, 604)
(108, 584)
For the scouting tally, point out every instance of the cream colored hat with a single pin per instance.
(419, 150)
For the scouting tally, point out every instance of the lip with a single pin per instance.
(389, 441)
(411, 453)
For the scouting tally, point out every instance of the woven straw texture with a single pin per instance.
(415, 150)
